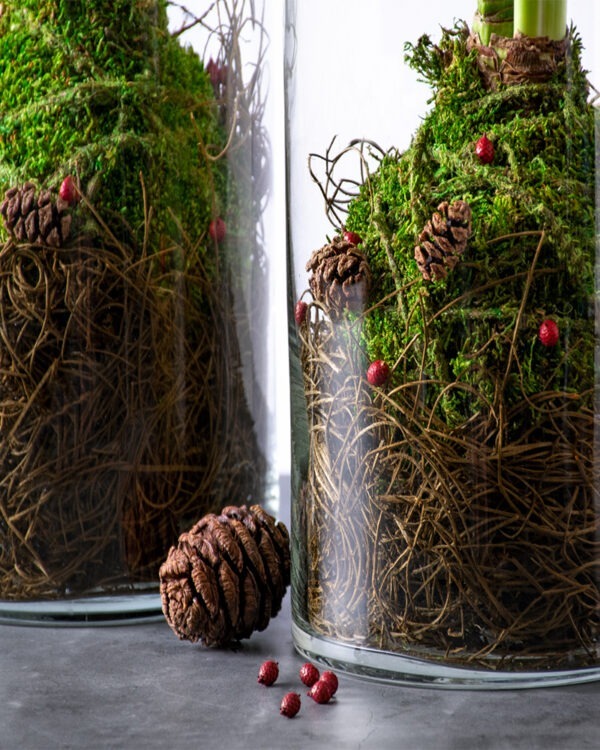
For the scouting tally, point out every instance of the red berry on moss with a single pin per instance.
(378, 372)
(331, 679)
(309, 674)
(217, 229)
(300, 312)
(214, 72)
(68, 191)
(548, 333)
(268, 672)
(484, 150)
(352, 237)
(290, 705)
(321, 691)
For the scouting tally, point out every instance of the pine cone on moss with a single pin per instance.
(226, 577)
(340, 277)
(41, 219)
(443, 240)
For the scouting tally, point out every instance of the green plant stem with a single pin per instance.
(493, 17)
(537, 18)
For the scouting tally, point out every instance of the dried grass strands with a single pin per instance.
(122, 413)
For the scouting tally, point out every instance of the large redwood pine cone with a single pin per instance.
(226, 577)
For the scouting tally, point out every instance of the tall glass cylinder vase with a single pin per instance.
(443, 199)
(136, 355)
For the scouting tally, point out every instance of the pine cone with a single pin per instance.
(40, 219)
(340, 277)
(226, 577)
(443, 240)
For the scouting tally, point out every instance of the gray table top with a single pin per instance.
(138, 686)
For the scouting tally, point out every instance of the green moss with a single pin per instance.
(99, 88)
(477, 329)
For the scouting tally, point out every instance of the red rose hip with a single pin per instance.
(548, 333)
(268, 672)
(217, 229)
(290, 705)
(331, 679)
(214, 72)
(321, 691)
(309, 674)
(378, 372)
(352, 237)
(300, 312)
(484, 150)
(69, 191)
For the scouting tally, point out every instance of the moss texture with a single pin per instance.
(100, 89)
(541, 179)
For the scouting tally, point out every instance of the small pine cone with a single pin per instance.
(226, 577)
(38, 219)
(443, 240)
(340, 277)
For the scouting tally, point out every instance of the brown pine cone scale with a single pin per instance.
(443, 240)
(38, 219)
(226, 577)
(340, 277)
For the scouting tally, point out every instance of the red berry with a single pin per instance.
(309, 674)
(268, 672)
(300, 312)
(217, 229)
(214, 72)
(331, 679)
(484, 149)
(217, 73)
(290, 705)
(378, 372)
(69, 191)
(321, 691)
(548, 333)
(352, 237)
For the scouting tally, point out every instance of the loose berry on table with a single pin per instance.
(321, 691)
(331, 679)
(309, 674)
(268, 672)
(290, 705)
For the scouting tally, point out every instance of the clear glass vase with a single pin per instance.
(136, 343)
(443, 208)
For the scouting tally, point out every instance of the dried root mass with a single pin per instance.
(426, 539)
(119, 403)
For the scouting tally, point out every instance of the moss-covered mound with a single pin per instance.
(482, 320)
(451, 510)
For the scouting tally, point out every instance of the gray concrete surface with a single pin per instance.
(138, 687)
